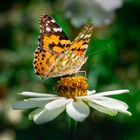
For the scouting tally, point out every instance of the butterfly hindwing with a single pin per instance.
(67, 63)
(43, 61)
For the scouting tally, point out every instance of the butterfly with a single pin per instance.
(56, 55)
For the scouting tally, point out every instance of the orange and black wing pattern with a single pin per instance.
(80, 43)
(52, 42)
(73, 58)
(56, 54)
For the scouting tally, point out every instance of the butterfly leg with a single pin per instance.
(81, 73)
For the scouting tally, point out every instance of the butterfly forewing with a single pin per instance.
(52, 42)
(80, 43)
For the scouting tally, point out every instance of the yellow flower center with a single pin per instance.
(71, 87)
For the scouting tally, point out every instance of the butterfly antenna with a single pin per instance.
(101, 50)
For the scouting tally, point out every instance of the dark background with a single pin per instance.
(117, 67)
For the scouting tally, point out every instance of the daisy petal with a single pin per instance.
(126, 112)
(33, 113)
(32, 103)
(42, 99)
(114, 92)
(27, 104)
(57, 103)
(47, 115)
(110, 103)
(77, 110)
(91, 92)
(103, 109)
(35, 94)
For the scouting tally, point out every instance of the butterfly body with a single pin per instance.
(56, 54)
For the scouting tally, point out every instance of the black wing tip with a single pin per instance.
(43, 16)
(89, 26)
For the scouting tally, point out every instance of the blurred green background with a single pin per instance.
(117, 67)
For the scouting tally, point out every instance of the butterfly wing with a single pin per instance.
(80, 43)
(72, 59)
(52, 42)
(52, 35)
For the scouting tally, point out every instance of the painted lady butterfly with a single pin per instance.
(56, 54)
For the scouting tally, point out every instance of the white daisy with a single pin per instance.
(74, 97)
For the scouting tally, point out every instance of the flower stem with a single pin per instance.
(72, 128)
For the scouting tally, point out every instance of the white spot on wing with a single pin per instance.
(82, 35)
(64, 63)
(48, 29)
(57, 29)
(88, 36)
(53, 21)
